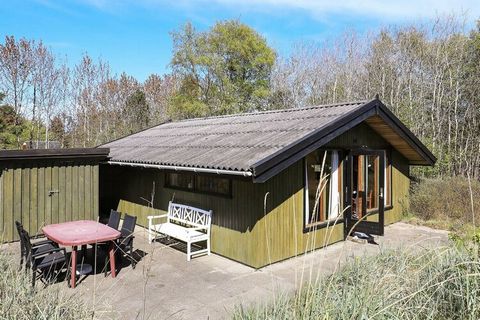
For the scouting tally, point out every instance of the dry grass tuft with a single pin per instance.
(442, 283)
(19, 301)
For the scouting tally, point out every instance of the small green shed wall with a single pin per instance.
(261, 223)
(25, 193)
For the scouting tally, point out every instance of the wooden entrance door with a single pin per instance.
(364, 191)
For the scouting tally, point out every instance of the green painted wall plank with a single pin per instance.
(48, 199)
(81, 192)
(2, 217)
(25, 200)
(33, 203)
(88, 214)
(41, 197)
(8, 204)
(75, 191)
(17, 197)
(95, 192)
(55, 194)
(62, 213)
(68, 193)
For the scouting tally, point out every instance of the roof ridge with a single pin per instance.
(275, 111)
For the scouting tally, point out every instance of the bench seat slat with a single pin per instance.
(179, 232)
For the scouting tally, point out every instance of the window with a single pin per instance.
(322, 187)
(200, 184)
(372, 185)
(180, 181)
(388, 180)
(212, 185)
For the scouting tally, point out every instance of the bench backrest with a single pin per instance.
(189, 215)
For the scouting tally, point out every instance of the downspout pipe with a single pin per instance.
(182, 168)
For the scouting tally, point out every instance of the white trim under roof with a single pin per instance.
(181, 168)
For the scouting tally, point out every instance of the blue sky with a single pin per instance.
(133, 35)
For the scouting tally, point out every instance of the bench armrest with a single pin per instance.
(157, 217)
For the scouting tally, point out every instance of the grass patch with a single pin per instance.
(442, 283)
(19, 301)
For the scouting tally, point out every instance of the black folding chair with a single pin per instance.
(113, 222)
(37, 247)
(125, 242)
(43, 262)
(114, 219)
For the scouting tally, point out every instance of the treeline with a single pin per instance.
(428, 74)
(80, 106)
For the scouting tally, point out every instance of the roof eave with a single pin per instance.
(73, 153)
(277, 162)
(407, 135)
(182, 168)
(272, 165)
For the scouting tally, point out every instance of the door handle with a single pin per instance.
(52, 192)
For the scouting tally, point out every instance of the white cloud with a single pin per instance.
(378, 8)
(320, 9)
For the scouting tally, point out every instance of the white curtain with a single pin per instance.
(334, 208)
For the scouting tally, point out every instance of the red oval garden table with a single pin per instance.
(80, 233)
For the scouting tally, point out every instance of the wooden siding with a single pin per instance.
(400, 188)
(243, 228)
(364, 136)
(25, 194)
(357, 137)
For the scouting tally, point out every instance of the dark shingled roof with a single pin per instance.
(262, 143)
(234, 142)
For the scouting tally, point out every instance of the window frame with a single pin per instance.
(168, 185)
(376, 174)
(195, 189)
(388, 203)
(308, 227)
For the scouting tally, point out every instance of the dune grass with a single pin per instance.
(440, 283)
(19, 301)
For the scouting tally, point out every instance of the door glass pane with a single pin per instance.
(372, 185)
(357, 186)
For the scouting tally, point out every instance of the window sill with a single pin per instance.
(321, 225)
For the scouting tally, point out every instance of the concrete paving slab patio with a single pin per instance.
(165, 286)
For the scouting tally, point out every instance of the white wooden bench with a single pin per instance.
(184, 223)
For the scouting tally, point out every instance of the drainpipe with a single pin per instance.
(181, 168)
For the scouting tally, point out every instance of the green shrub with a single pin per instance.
(447, 199)
(442, 283)
(19, 301)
